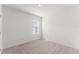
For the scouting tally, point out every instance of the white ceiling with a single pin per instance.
(45, 9)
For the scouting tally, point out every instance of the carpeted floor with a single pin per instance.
(40, 47)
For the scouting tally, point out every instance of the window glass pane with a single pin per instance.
(35, 27)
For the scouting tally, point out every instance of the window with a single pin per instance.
(35, 27)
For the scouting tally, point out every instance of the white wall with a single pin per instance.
(17, 27)
(63, 26)
(0, 26)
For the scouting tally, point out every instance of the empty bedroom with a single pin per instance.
(39, 28)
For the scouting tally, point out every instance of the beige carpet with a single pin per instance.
(40, 47)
